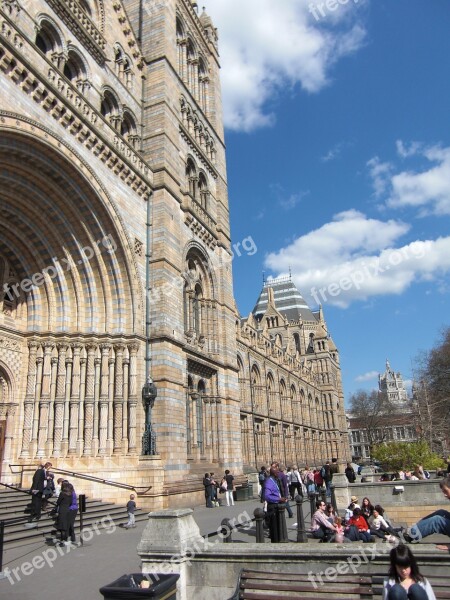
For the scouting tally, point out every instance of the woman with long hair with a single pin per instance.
(366, 508)
(64, 505)
(405, 580)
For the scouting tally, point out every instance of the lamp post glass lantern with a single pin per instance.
(149, 393)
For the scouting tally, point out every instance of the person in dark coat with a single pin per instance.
(37, 489)
(209, 490)
(350, 473)
(64, 521)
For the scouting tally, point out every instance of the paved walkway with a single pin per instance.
(43, 572)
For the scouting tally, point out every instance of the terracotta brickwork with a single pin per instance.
(107, 111)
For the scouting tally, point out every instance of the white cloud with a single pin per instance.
(380, 173)
(369, 376)
(406, 150)
(425, 188)
(334, 152)
(428, 189)
(266, 46)
(355, 258)
(285, 200)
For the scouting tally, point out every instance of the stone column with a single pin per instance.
(103, 424)
(125, 439)
(133, 399)
(29, 400)
(59, 398)
(9, 433)
(95, 437)
(66, 407)
(89, 401)
(74, 398)
(39, 363)
(44, 403)
(80, 429)
(118, 399)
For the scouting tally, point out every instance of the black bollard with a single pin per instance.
(301, 533)
(333, 499)
(282, 529)
(258, 513)
(312, 502)
(226, 531)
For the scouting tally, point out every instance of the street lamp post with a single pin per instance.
(149, 393)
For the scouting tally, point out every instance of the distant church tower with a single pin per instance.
(392, 384)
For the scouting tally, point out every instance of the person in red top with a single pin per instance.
(361, 524)
(318, 479)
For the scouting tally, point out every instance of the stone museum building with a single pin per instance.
(116, 265)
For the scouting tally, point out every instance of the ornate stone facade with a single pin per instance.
(292, 406)
(113, 157)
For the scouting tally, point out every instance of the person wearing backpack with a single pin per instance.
(327, 476)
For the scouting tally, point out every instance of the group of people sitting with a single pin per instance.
(360, 523)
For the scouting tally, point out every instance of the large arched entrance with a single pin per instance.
(70, 306)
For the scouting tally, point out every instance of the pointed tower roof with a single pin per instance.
(287, 299)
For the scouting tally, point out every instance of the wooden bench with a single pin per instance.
(266, 585)
(257, 585)
(440, 585)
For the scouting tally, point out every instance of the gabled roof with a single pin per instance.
(288, 300)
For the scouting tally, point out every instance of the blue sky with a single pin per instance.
(337, 119)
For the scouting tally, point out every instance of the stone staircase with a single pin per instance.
(13, 504)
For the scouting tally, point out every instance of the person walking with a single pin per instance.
(37, 489)
(131, 509)
(230, 488)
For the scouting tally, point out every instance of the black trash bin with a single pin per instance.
(162, 587)
(241, 493)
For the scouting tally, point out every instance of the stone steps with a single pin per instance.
(13, 504)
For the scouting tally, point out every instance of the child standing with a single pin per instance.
(131, 508)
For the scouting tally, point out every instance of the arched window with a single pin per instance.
(181, 44)
(297, 343)
(128, 129)
(202, 84)
(75, 70)
(48, 40)
(86, 7)
(191, 65)
(192, 179)
(196, 320)
(123, 66)
(200, 305)
(109, 108)
(203, 191)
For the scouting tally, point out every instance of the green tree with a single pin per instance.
(395, 456)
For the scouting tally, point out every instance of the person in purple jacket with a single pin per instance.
(273, 496)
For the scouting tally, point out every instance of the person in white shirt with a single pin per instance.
(380, 527)
(404, 578)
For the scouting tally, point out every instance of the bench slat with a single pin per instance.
(270, 585)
